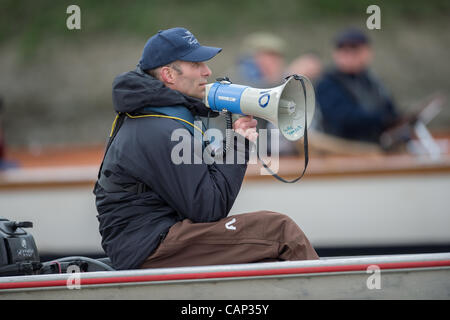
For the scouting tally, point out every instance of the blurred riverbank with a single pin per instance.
(56, 85)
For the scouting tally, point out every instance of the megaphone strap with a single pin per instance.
(118, 121)
(305, 142)
(164, 116)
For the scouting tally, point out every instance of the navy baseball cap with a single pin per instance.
(351, 37)
(174, 44)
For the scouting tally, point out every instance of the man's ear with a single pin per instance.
(167, 75)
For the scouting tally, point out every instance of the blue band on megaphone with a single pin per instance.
(226, 96)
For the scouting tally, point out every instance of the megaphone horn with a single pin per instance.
(284, 106)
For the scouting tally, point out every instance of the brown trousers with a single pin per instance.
(250, 237)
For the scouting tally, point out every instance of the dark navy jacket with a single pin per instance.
(132, 223)
(354, 107)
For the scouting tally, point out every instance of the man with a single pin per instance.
(354, 105)
(156, 212)
(4, 163)
(262, 61)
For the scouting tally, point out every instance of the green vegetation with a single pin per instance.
(56, 83)
(31, 22)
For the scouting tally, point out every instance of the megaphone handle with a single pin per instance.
(305, 143)
(229, 123)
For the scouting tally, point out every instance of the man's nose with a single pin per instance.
(206, 71)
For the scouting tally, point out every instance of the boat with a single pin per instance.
(408, 276)
(379, 223)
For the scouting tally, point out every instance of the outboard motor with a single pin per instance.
(18, 251)
(19, 254)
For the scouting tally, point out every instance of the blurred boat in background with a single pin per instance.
(346, 205)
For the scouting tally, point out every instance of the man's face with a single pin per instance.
(271, 64)
(352, 59)
(190, 78)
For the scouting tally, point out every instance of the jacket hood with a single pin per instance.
(135, 90)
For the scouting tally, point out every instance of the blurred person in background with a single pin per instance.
(308, 64)
(2, 136)
(4, 164)
(262, 63)
(353, 103)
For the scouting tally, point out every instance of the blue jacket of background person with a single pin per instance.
(355, 107)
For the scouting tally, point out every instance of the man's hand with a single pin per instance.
(246, 126)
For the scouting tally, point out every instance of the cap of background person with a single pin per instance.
(174, 44)
(263, 41)
(351, 37)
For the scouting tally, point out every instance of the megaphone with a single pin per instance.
(286, 106)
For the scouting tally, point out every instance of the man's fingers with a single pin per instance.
(253, 136)
(248, 124)
(245, 122)
(250, 133)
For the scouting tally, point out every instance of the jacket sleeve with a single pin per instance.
(195, 190)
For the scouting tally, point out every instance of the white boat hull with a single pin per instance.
(345, 212)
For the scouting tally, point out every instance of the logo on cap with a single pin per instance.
(190, 38)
